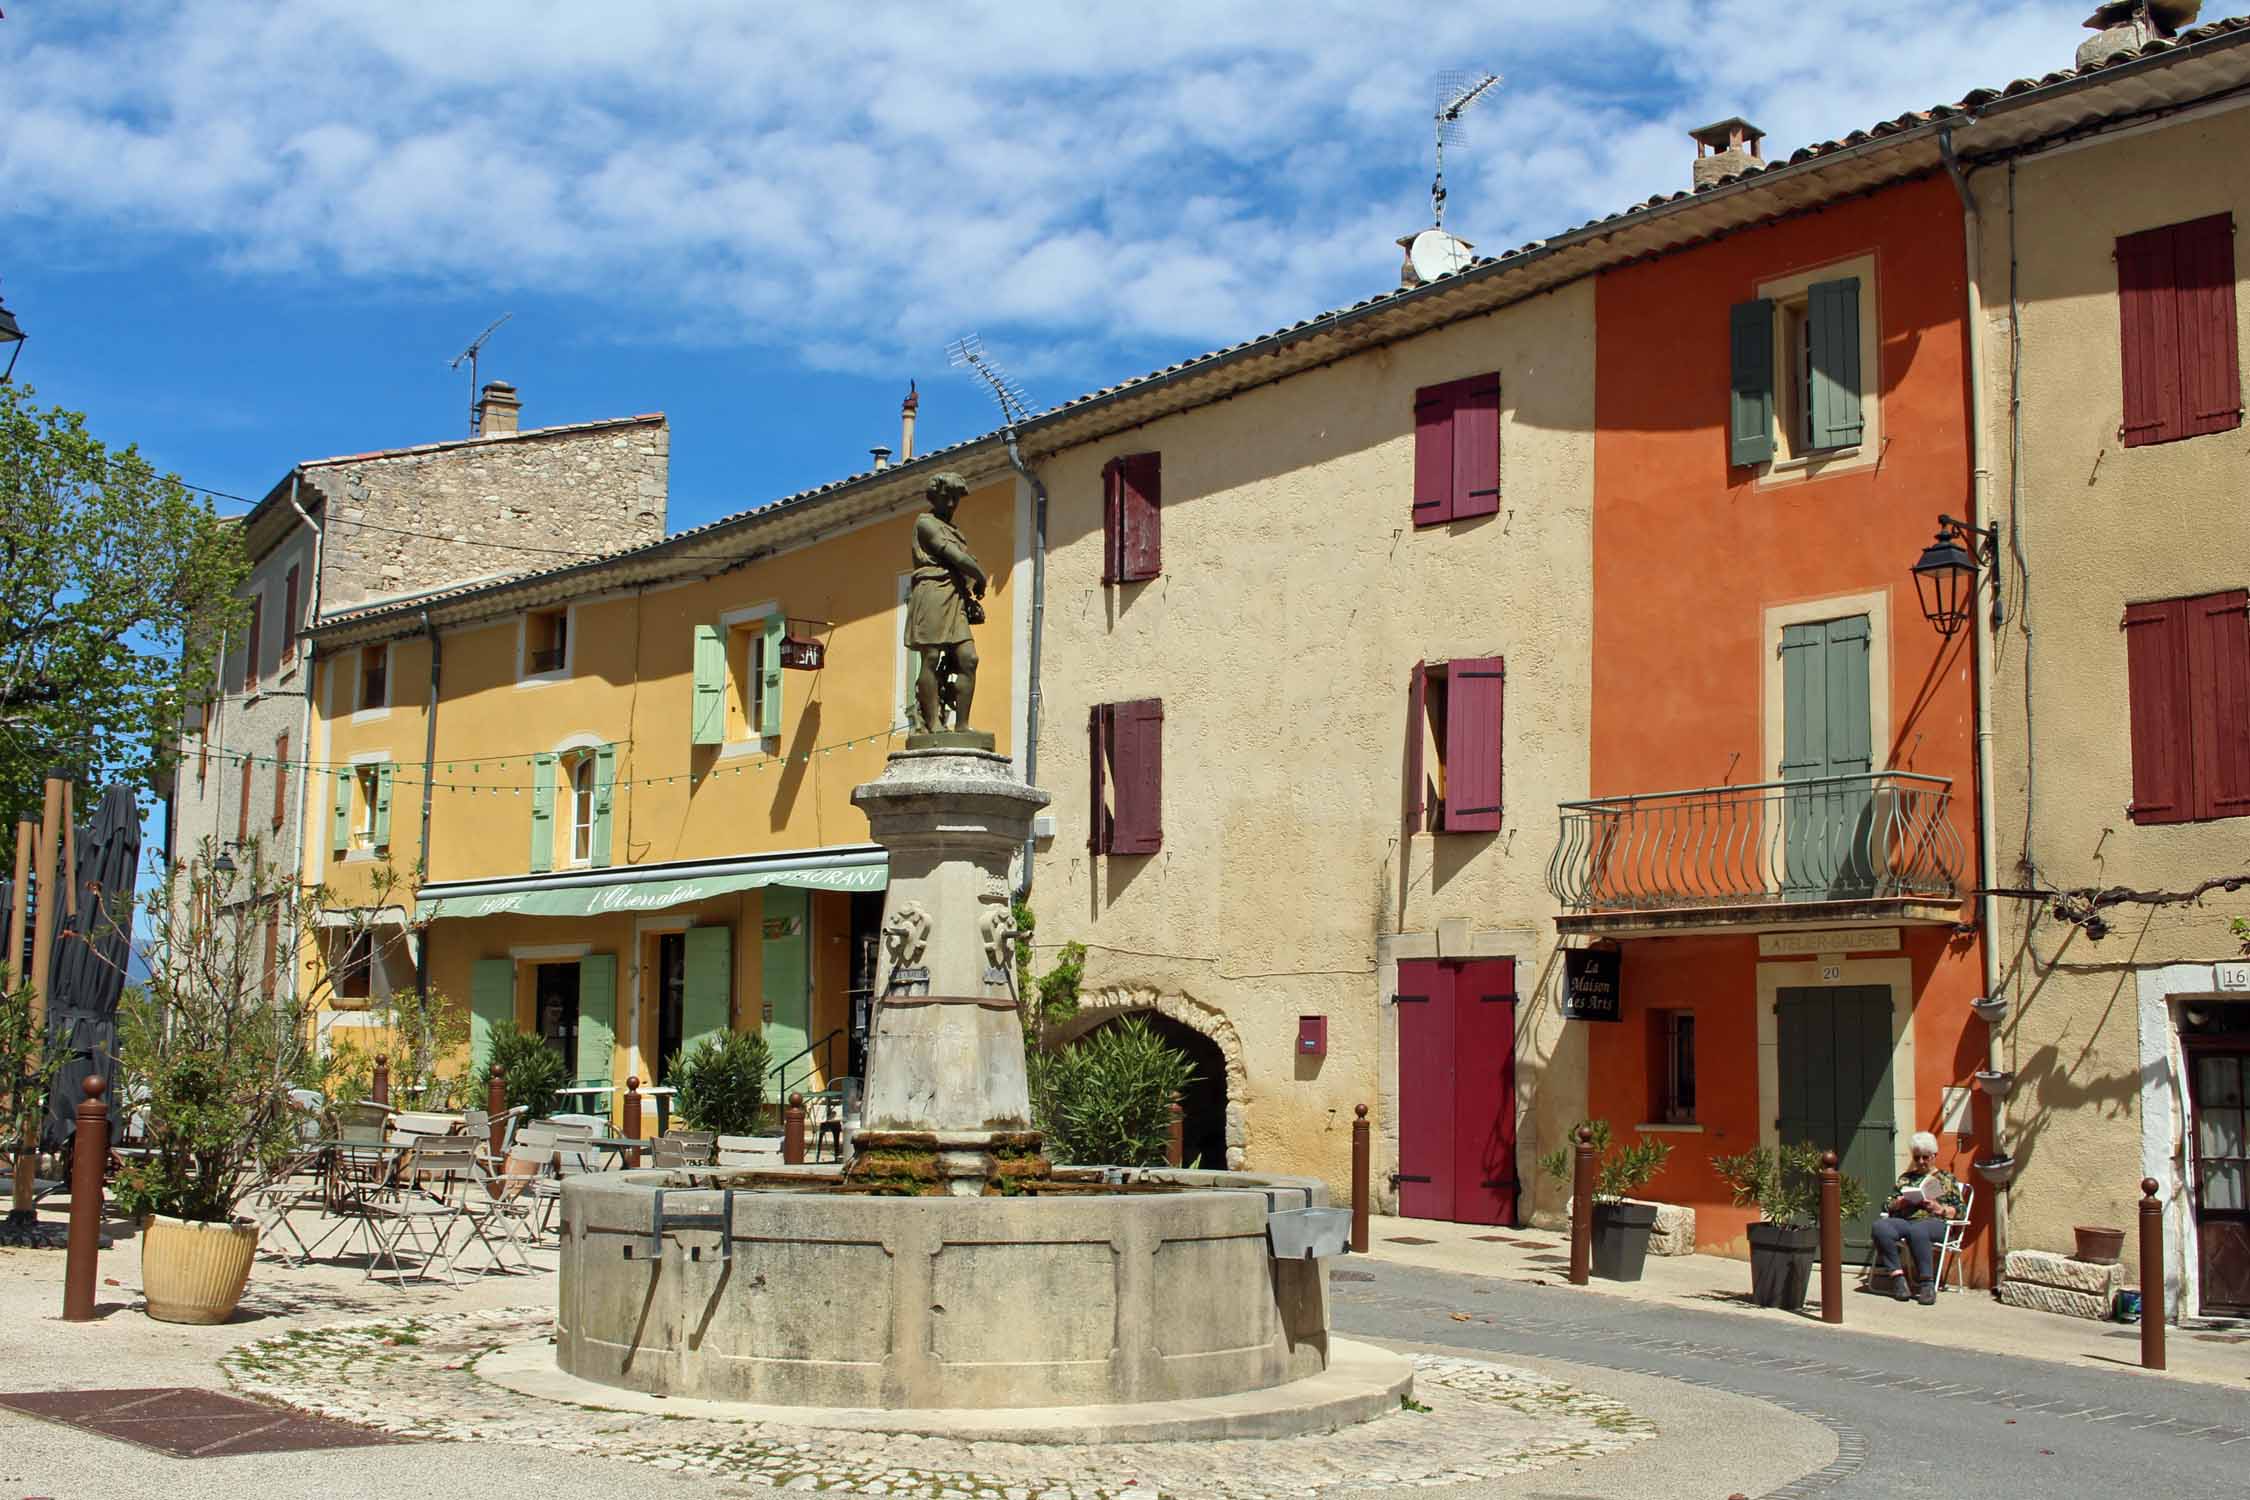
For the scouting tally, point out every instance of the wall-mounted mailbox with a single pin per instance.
(1312, 1036)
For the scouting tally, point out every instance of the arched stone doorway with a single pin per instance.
(1215, 1126)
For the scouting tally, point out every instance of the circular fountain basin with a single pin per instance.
(1163, 1290)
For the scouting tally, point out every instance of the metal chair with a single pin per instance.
(573, 1156)
(686, 1148)
(435, 1171)
(835, 1113)
(748, 1150)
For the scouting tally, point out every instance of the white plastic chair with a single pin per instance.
(1956, 1239)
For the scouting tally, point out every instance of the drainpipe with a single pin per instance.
(429, 775)
(1038, 636)
(1980, 510)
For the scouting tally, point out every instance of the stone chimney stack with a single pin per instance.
(882, 457)
(2124, 27)
(906, 411)
(497, 409)
(1726, 149)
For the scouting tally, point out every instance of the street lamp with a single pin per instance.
(1946, 577)
(11, 334)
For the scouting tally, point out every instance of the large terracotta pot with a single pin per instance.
(195, 1272)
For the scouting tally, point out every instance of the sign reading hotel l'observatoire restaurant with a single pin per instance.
(1590, 990)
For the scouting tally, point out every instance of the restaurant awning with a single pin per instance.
(646, 888)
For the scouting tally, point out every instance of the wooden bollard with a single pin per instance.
(1359, 1179)
(496, 1104)
(380, 1089)
(1582, 1208)
(1831, 1240)
(2152, 1277)
(89, 1158)
(1175, 1134)
(632, 1118)
(793, 1132)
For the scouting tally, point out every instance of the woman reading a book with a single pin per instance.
(1922, 1204)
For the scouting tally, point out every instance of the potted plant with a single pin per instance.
(1621, 1224)
(1783, 1184)
(212, 1044)
(532, 1072)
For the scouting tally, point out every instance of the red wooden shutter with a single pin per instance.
(1098, 726)
(1484, 1092)
(2210, 371)
(1113, 521)
(2148, 313)
(280, 782)
(2219, 688)
(2156, 660)
(1476, 447)
(1473, 691)
(289, 616)
(1433, 455)
(242, 806)
(1138, 762)
(273, 958)
(1417, 728)
(1427, 1059)
(1140, 494)
(250, 646)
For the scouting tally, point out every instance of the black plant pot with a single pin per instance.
(1781, 1263)
(1621, 1239)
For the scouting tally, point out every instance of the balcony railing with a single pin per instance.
(1880, 835)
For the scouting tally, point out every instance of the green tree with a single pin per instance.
(117, 588)
(722, 1083)
(532, 1069)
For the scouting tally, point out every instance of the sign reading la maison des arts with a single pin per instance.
(1590, 989)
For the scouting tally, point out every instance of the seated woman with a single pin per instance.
(1921, 1205)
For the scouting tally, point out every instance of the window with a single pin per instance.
(1457, 450)
(1671, 1067)
(2176, 331)
(355, 969)
(1453, 723)
(1803, 378)
(1127, 751)
(2188, 681)
(242, 806)
(280, 782)
(581, 809)
(369, 794)
(585, 777)
(361, 821)
(289, 618)
(374, 678)
(250, 643)
(738, 678)
(546, 641)
(1132, 537)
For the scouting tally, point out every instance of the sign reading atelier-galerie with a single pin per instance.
(1590, 990)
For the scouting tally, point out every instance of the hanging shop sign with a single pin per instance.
(801, 647)
(1590, 990)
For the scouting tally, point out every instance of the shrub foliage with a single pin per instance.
(722, 1082)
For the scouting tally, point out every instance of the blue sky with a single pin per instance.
(245, 233)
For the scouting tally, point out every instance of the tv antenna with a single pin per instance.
(470, 354)
(967, 352)
(1457, 93)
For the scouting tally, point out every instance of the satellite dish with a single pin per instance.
(1435, 253)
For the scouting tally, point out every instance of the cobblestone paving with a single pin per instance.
(1472, 1420)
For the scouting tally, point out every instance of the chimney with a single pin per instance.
(2124, 27)
(906, 410)
(1726, 149)
(497, 408)
(882, 457)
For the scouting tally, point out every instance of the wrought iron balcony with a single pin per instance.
(1880, 836)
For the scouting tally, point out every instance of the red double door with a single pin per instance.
(1457, 1091)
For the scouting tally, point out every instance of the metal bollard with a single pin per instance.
(1582, 1208)
(1175, 1134)
(2152, 1276)
(632, 1126)
(380, 1089)
(793, 1132)
(1831, 1240)
(496, 1104)
(1359, 1179)
(89, 1161)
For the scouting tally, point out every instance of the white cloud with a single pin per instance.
(1092, 187)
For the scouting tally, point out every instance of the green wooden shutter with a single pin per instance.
(597, 1017)
(709, 721)
(542, 812)
(1832, 311)
(340, 823)
(1804, 755)
(1850, 733)
(383, 805)
(605, 783)
(1750, 403)
(492, 1002)
(784, 962)
(705, 1008)
(769, 721)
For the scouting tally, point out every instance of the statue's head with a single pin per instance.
(945, 490)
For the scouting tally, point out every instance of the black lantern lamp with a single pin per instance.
(11, 334)
(224, 866)
(1946, 577)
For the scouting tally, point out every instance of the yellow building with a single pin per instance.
(621, 801)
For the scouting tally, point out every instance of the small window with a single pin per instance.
(250, 643)
(582, 809)
(289, 618)
(1453, 728)
(374, 677)
(280, 782)
(2177, 341)
(1457, 450)
(1132, 515)
(1803, 370)
(546, 640)
(2188, 694)
(371, 807)
(1671, 1067)
(1127, 752)
(355, 970)
(746, 680)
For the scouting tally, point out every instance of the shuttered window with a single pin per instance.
(1457, 450)
(272, 968)
(280, 782)
(2176, 331)
(289, 616)
(1799, 381)
(1127, 755)
(1132, 518)
(1454, 718)
(2188, 671)
(250, 643)
(242, 806)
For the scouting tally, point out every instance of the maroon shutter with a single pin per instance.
(2148, 312)
(250, 643)
(1476, 447)
(1140, 497)
(1113, 520)
(242, 809)
(1428, 1060)
(1098, 821)
(289, 617)
(1138, 738)
(1472, 744)
(2156, 661)
(1417, 729)
(1433, 455)
(2219, 692)
(2210, 371)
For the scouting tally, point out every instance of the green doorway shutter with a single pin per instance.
(785, 952)
(492, 1002)
(597, 1018)
(707, 986)
(1826, 733)
(1833, 1059)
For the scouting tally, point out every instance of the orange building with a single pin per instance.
(1773, 872)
